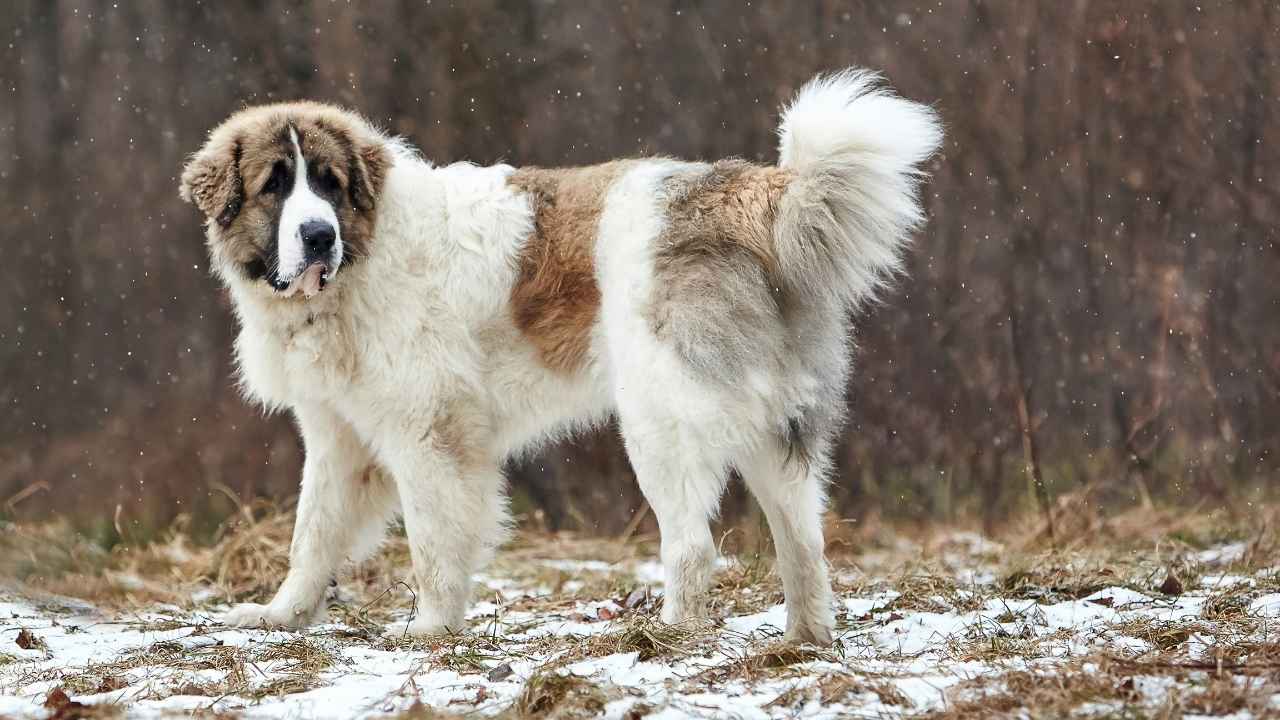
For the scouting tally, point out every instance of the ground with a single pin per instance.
(1141, 618)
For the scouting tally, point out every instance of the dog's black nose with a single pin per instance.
(317, 237)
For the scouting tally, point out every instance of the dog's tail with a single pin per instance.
(856, 149)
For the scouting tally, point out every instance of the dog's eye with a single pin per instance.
(275, 183)
(327, 182)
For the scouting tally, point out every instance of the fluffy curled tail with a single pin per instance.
(856, 149)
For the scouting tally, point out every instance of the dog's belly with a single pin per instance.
(532, 404)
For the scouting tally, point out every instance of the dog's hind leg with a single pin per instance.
(683, 479)
(343, 510)
(787, 478)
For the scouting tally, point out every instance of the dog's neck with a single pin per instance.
(264, 309)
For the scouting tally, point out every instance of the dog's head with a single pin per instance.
(289, 192)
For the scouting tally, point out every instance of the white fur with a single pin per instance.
(412, 386)
(857, 148)
(853, 112)
(301, 206)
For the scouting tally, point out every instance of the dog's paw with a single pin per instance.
(691, 614)
(694, 623)
(252, 615)
(814, 632)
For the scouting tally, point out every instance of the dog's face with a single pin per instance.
(290, 194)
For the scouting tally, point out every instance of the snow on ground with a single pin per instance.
(961, 636)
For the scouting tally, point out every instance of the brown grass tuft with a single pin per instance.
(837, 688)
(1050, 695)
(551, 694)
(648, 636)
(772, 659)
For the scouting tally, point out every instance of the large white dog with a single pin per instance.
(425, 323)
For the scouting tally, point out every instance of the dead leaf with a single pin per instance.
(638, 711)
(636, 597)
(62, 707)
(28, 640)
(1127, 688)
(190, 688)
(56, 699)
(111, 683)
(501, 672)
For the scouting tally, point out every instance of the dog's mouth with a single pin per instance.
(310, 281)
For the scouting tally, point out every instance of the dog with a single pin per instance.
(424, 324)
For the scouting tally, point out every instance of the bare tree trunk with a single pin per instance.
(1022, 402)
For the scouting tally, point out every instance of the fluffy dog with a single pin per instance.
(423, 324)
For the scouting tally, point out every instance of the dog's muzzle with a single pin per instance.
(318, 240)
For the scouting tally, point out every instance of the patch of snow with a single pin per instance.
(1118, 597)
(1223, 554)
(926, 692)
(576, 566)
(1267, 606)
(774, 619)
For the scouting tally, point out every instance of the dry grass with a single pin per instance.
(838, 688)
(933, 589)
(745, 587)
(991, 644)
(772, 660)
(552, 694)
(296, 663)
(649, 638)
(248, 557)
(1163, 635)
(1053, 695)
(1056, 578)
(297, 656)
(1026, 674)
(1112, 687)
(230, 662)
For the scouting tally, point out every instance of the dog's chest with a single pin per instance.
(311, 359)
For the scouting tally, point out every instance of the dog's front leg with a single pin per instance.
(343, 508)
(455, 515)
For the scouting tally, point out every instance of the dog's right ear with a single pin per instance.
(211, 180)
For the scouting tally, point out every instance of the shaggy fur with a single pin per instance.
(481, 312)
(716, 281)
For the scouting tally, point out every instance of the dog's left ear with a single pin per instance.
(211, 180)
(369, 163)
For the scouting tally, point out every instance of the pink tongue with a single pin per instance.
(310, 279)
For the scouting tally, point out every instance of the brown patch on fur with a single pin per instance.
(555, 299)
(728, 208)
(225, 179)
(716, 298)
(454, 432)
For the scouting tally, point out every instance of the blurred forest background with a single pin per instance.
(1090, 317)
